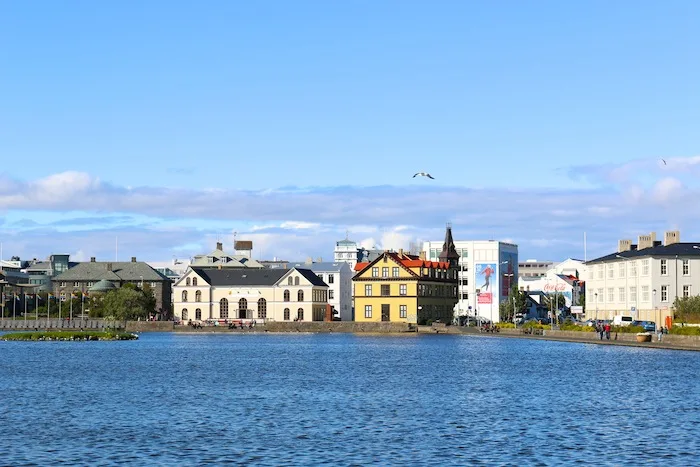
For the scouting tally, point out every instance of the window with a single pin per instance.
(621, 294)
(300, 296)
(394, 272)
(664, 293)
(90, 284)
(76, 284)
(368, 311)
(375, 272)
(633, 269)
(645, 267)
(465, 296)
(385, 272)
(296, 280)
(194, 281)
(242, 305)
(331, 278)
(686, 291)
(198, 296)
(153, 285)
(63, 284)
(300, 314)
(633, 294)
(600, 271)
(621, 269)
(686, 267)
(286, 294)
(611, 271)
(645, 293)
(198, 314)
(262, 308)
(184, 295)
(611, 294)
(320, 276)
(601, 298)
(664, 267)
(465, 253)
(402, 311)
(385, 290)
(290, 280)
(403, 289)
(330, 295)
(223, 308)
(184, 314)
(368, 290)
(286, 314)
(188, 282)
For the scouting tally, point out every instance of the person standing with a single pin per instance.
(607, 331)
(659, 333)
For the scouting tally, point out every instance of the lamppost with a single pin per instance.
(653, 304)
(596, 305)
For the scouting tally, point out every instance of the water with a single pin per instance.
(338, 399)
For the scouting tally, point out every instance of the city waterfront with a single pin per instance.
(347, 399)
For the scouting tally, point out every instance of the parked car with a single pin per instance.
(621, 320)
(649, 326)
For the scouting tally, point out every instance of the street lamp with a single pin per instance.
(596, 305)
(653, 302)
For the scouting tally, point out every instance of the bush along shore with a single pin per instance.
(70, 336)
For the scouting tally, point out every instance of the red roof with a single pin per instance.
(409, 261)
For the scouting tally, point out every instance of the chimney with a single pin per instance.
(400, 252)
(219, 246)
(92, 259)
(646, 241)
(671, 237)
(133, 259)
(422, 255)
(309, 260)
(109, 266)
(219, 267)
(319, 260)
(624, 245)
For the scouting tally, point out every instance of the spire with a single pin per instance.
(449, 252)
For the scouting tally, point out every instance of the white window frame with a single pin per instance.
(633, 294)
(664, 267)
(375, 272)
(664, 293)
(611, 271)
(621, 294)
(611, 294)
(645, 267)
(403, 289)
(686, 267)
(686, 291)
(621, 270)
(645, 293)
(368, 290)
(368, 311)
(403, 311)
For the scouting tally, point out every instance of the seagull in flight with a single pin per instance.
(424, 174)
(664, 161)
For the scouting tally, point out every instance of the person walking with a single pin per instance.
(659, 333)
(607, 331)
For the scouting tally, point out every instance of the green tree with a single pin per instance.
(687, 309)
(126, 303)
(555, 300)
(508, 309)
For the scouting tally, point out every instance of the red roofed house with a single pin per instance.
(398, 287)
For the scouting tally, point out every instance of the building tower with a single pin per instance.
(449, 252)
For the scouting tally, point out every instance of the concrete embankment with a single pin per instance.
(668, 341)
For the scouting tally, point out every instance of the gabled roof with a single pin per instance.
(121, 271)
(675, 249)
(405, 260)
(251, 277)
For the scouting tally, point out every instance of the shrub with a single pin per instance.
(685, 330)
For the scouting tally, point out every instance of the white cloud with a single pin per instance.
(296, 223)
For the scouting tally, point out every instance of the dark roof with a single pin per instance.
(251, 277)
(121, 271)
(673, 250)
(311, 277)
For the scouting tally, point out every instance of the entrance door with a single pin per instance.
(385, 312)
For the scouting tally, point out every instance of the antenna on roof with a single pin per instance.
(116, 249)
(347, 234)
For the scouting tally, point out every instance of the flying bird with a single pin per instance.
(424, 174)
(664, 161)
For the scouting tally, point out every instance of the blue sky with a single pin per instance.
(172, 124)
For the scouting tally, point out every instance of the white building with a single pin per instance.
(487, 270)
(347, 252)
(338, 276)
(643, 279)
(564, 278)
(532, 268)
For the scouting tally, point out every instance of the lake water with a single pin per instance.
(340, 399)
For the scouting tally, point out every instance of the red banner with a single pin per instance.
(484, 298)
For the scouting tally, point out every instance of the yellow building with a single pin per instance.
(398, 287)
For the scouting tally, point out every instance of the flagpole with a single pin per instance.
(14, 306)
(25, 308)
(36, 307)
(71, 306)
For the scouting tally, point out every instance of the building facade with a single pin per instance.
(250, 294)
(338, 277)
(398, 287)
(532, 269)
(486, 272)
(642, 280)
(219, 257)
(83, 276)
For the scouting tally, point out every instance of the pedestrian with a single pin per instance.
(659, 332)
(607, 331)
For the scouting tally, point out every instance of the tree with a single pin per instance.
(506, 310)
(687, 309)
(555, 300)
(126, 303)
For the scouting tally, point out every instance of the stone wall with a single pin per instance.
(670, 339)
(337, 326)
(149, 326)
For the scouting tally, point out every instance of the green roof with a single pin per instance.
(103, 286)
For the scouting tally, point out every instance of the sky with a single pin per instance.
(165, 126)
